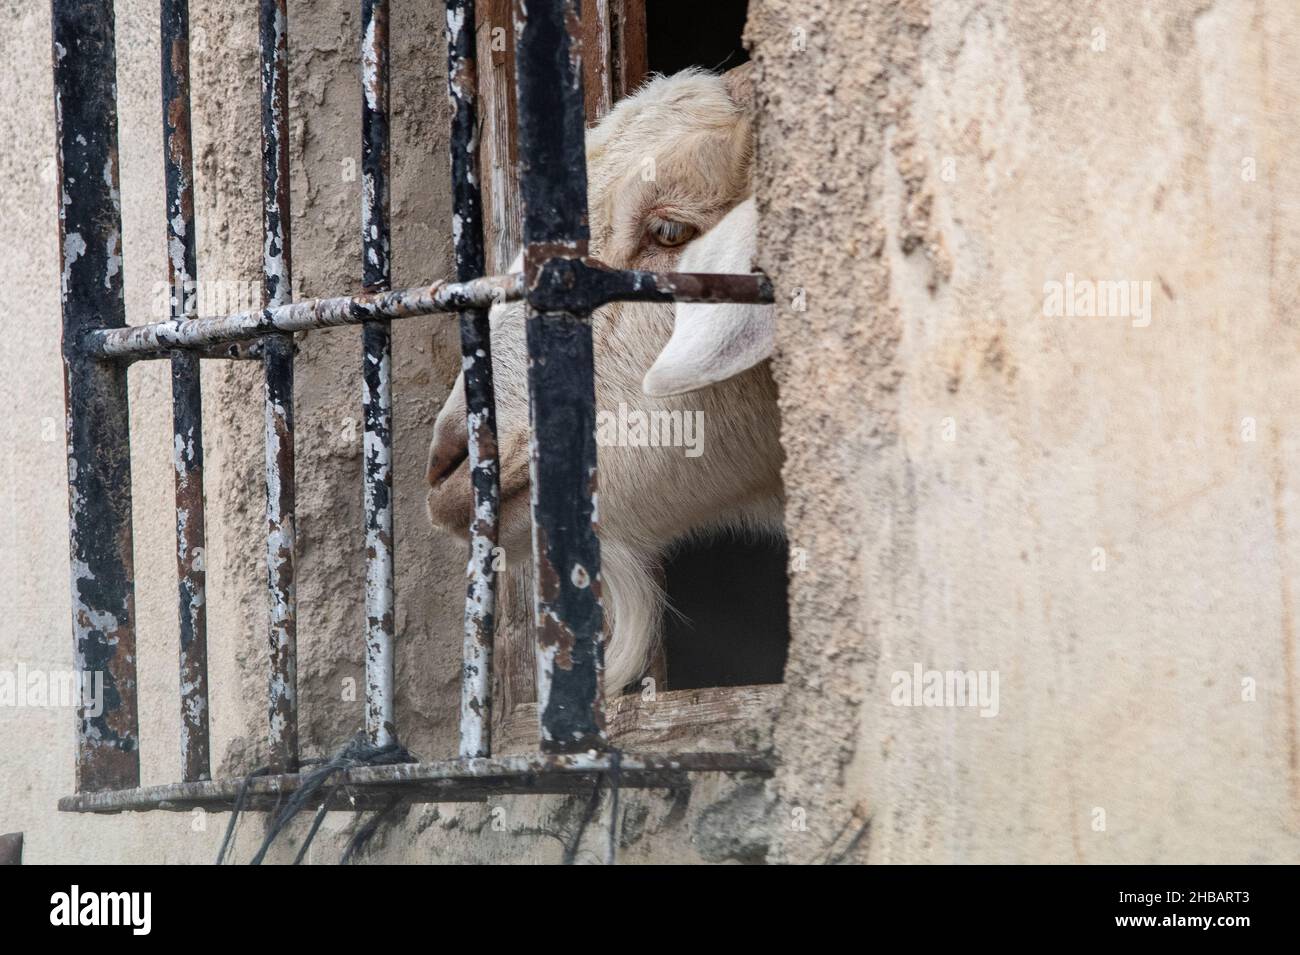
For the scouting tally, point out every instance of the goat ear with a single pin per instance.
(711, 343)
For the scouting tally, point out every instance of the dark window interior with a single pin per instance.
(731, 622)
(682, 33)
(732, 625)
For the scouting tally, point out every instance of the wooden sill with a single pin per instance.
(722, 718)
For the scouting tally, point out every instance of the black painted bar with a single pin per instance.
(561, 390)
(376, 363)
(480, 405)
(98, 418)
(187, 396)
(277, 361)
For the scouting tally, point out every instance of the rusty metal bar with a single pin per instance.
(232, 351)
(160, 338)
(376, 361)
(187, 398)
(460, 780)
(566, 552)
(480, 404)
(98, 418)
(208, 335)
(585, 284)
(277, 361)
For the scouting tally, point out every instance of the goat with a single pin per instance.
(692, 130)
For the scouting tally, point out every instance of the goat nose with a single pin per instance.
(449, 448)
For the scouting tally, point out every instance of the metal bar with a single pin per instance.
(585, 284)
(98, 418)
(160, 338)
(187, 398)
(277, 360)
(566, 552)
(377, 358)
(232, 351)
(480, 405)
(460, 780)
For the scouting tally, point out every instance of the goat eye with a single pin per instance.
(669, 233)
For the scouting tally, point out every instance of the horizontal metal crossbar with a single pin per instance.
(584, 284)
(560, 280)
(458, 780)
(159, 338)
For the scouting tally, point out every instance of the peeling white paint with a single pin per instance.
(74, 247)
(113, 260)
(455, 22)
(370, 66)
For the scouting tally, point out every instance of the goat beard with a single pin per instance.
(634, 600)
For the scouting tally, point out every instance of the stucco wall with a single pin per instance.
(955, 457)
(925, 169)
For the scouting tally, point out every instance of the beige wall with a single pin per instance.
(924, 169)
(954, 456)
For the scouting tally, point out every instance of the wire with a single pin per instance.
(315, 788)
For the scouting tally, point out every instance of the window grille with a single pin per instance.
(560, 285)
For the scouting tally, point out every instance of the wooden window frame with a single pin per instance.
(617, 33)
(653, 720)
